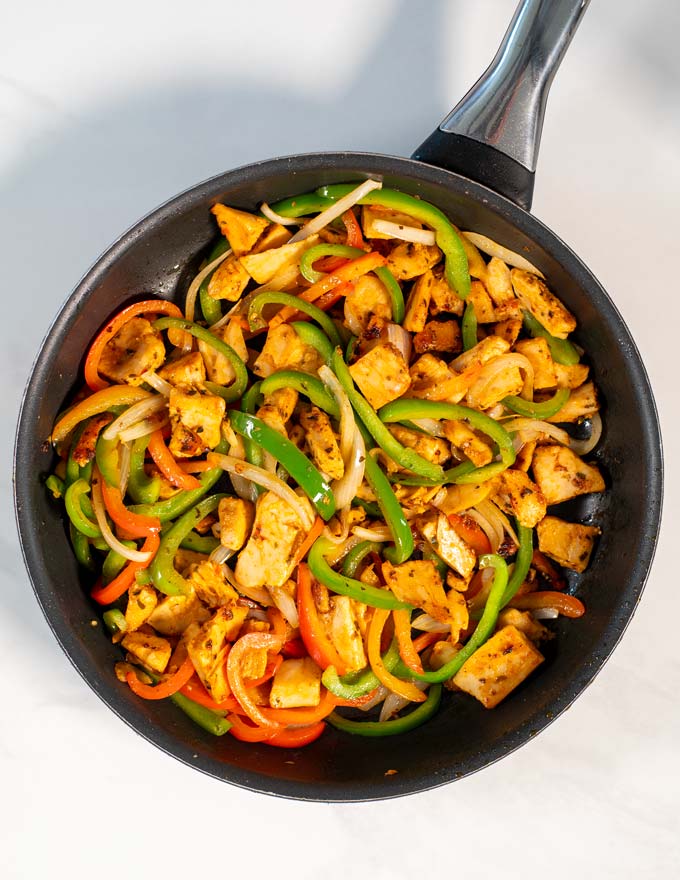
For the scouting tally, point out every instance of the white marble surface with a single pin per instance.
(106, 111)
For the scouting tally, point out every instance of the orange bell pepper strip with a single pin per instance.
(424, 640)
(405, 689)
(134, 524)
(550, 572)
(278, 624)
(567, 605)
(359, 702)
(120, 584)
(402, 630)
(167, 465)
(354, 236)
(305, 714)
(311, 536)
(349, 272)
(312, 633)
(294, 648)
(471, 532)
(194, 690)
(242, 730)
(166, 688)
(296, 737)
(118, 395)
(157, 306)
(194, 467)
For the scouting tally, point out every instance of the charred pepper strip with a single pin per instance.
(142, 488)
(391, 511)
(249, 403)
(403, 724)
(81, 548)
(407, 458)
(306, 384)
(267, 297)
(355, 685)
(468, 327)
(296, 463)
(522, 562)
(211, 308)
(346, 586)
(546, 409)
(314, 336)
(240, 383)
(456, 264)
(561, 350)
(73, 499)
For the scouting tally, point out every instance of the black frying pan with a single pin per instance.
(488, 146)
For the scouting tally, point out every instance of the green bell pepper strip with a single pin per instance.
(346, 586)
(432, 409)
(107, 458)
(314, 336)
(468, 327)
(370, 507)
(54, 485)
(356, 556)
(391, 284)
(250, 401)
(162, 569)
(403, 724)
(301, 206)
(404, 456)
(143, 577)
(114, 620)
(357, 684)
(306, 384)
(114, 563)
(522, 562)
(199, 543)
(482, 631)
(391, 510)
(73, 501)
(351, 346)
(305, 474)
(240, 383)
(561, 350)
(267, 297)
(544, 410)
(211, 308)
(456, 263)
(81, 548)
(142, 488)
(210, 721)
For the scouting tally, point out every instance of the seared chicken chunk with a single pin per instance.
(480, 354)
(209, 648)
(174, 614)
(382, 374)
(570, 375)
(498, 283)
(263, 267)
(211, 586)
(582, 403)
(368, 297)
(534, 295)
(322, 442)
(409, 260)
(151, 650)
(442, 297)
(196, 417)
(186, 370)
(448, 544)
(269, 555)
(537, 352)
(418, 303)
(492, 385)
(229, 280)
(297, 682)
(240, 228)
(136, 349)
(217, 365)
(236, 519)
(418, 583)
(464, 440)
(343, 624)
(515, 493)
(508, 329)
(438, 336)
(570, 544)
(561, 474)
(431, 379)
(434, 449)
(525, 622)
(142, 600)
(480, 299)
(284, 400)
(284, 350)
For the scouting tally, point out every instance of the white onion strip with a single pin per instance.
(492, 368)
(285, 603)
(491, 530)
(583, 447)
(426, 623)
(347, 423)
(380, 534)
(400, 339)
(277, 218)
(493, 249)
(257, 594)
(133, 414)
(494, 514)
(532, 428)
(405, 233)
(221, 554)
(157, 383)
(107, 534)
(269, 481)
(394, 703)
(190, 302)
(146, 426)
(124, 467)
(335, 210)
(430, 426)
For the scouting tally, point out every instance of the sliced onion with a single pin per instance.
(124, 467)
(107, 534)
(347, 423)
(257, 614)
(545, 613)
(342, 550)
(344, 528)
(269, 481)
(583, 447)
(495, 515)
(277, 218)
(531, 428)
(257, 594)
(243, 488)
(157, 383)
(346, 488)
(491, 369)
(190, 302)
(496, 411)
(221, 554)
(143, 428)
(395, 703)
(430, 426)
(335, 210)
(493, 249)
(380, 534)
(285, 603)
(426, 623)
(380, 694)
(405, 233)
(135, 413)
(492, 532)
(400, 339)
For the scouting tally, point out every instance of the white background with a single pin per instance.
(108, 109)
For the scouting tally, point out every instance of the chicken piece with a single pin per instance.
(495, 669)
(561, 474)
(418, 583)
(409, 260)
(211, 587)
(508, 330)
(537, 352)
(218, 366)
(459, 617)
(515, 493)
(196, 417)
(569, 544)
(152, 651)
(271, 416)
(273, 237)
(229, 280)
(434, 449)
(382, 374)
(443, 298)
(418, 303)
(447, 543)
(491, 386)
(85, 447)
(186, 558)
(240, 228)
(476, 264)
(525, 622)
(534, 295)
(464, 440)
(187, 370)
(368, 297)
(461, 498)
(510, 310)
(482, 353)
(416, 498)
(342, 624)
(371, 213)
(174, 614)
(136, 349)
(498, 282)
(142, 599)
(457, 582)
(322, 442)
(209, 648)
(284, 400)
(525, 456)
(438, 336)
(570, 375)
(236, 520)
(480, 299)
(297, 682)
(431, 379)
(582, 403)
(284, 350)
(269, 555)
(263, 267)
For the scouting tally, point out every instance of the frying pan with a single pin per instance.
(478, 166)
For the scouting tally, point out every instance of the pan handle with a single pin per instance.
(493, 134)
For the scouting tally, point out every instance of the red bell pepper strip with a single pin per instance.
(354, 236)
(135, 524)
(167, 465)
(120, 584)
(471, 532)
(319, 646)
(567, 605)
(166, 688)
(296, 737)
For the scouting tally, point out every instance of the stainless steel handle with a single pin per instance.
(506, 106)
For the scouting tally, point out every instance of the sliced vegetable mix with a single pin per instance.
(324, 487)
